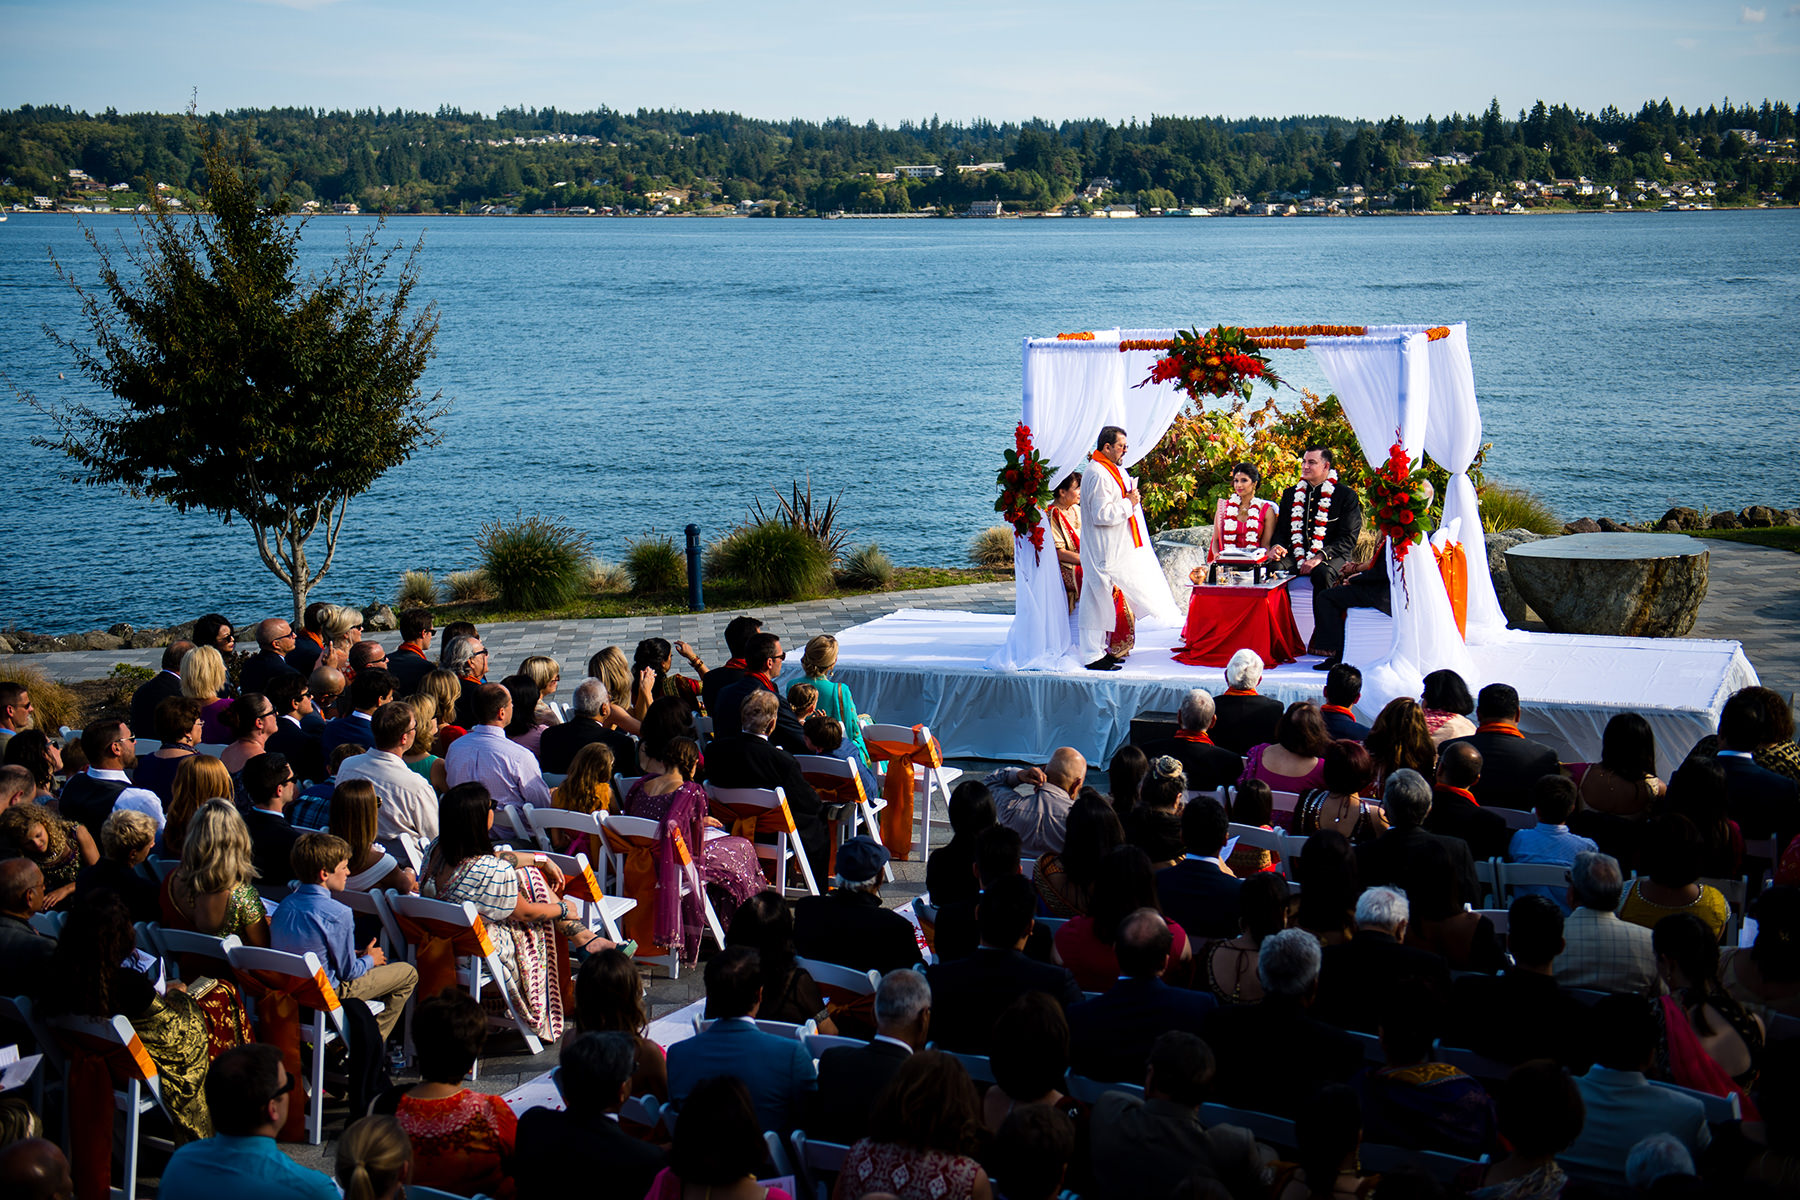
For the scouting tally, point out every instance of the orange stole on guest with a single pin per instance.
(897, 788)
(1137, 537)
(1453, 565)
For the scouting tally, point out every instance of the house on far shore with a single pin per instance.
(1121, 210)
(984, 208)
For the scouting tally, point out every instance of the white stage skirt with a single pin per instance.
(926, 667)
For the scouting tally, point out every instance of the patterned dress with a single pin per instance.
(526, 949)
(462, 1143)
(728, 863)
(907, 1173)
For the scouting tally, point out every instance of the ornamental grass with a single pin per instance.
(655, 565)
(606, 578)
(774, 560)
(534, 562)
(992, 547)
(53, 705)
(418, 589)
(866, 568)
(468, 587)
(1504, 507)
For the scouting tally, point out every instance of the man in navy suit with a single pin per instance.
(764, 657)
(1455, 811)
(1354, 976)
(1343, 688)
(1198, 893)
(368, 692)
(968, 995)
(292, 701)
(1511, 762)
(777, 1070)
(594, 1077)
(1110, 1036)
(1762, 802)
(166, 683)
(275, 637)
(851, 1077)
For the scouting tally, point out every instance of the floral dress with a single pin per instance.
(906, 1173)
(728, 863)
(526, 949)
(462, 1143)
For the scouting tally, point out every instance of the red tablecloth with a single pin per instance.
(1223, 620)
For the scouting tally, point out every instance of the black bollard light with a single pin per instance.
(696, 601)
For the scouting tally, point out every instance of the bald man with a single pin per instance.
(35, 1169)
(1035, 801)
(22, 948)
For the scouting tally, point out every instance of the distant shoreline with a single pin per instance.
(1020, 216)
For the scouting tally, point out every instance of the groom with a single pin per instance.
(1317, 524)
(1112, 527)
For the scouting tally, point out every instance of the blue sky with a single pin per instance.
(782, 58)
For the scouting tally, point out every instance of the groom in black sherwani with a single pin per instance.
(1343, 520)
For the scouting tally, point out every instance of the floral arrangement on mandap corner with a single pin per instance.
(1223, 361)
(1400, 496)
(1024, 489)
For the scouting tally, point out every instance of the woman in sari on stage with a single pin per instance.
(1242, 521)
(1065, 534)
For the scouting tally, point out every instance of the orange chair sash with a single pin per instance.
(639, 882)
(96, 1067)
(746, 821)
(897, 789)
(834, 789)
(279, 999)
(438, 944)
(1453, 565)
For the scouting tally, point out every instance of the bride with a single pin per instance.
(1241, 521)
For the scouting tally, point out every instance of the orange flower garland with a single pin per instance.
(1274, 337)
(1074, 337)
(1219, 362)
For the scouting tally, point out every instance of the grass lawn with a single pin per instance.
(1782, 537)
(724, 594)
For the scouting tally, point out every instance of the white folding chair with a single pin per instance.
(320, 998)
(1719, 1109)
(622, 786)
(543, 820)
(371, 904)
(147, 746)
(862, 812)
(787, 1029)
(1442, 1167)
(931, 781)
(613, 877)
(210, 748)
(1516, 818)
(1254, 835)
(777, 1153)
(1266, 1126)
(1510, 878)
(50, 923)
(734, 805)
(643, 1110)
(840, 982)
(411, 849)
(1285, 802)
(173, 944)
(479, 962)
(1501, 918)
(136, 1086)
(1089, 1091)
(977, 1065)
(818, 1043)
(818, 1162)
(1028, 867)
(1051, 924)
(1487, 874)
(513, 822)
(584, 887)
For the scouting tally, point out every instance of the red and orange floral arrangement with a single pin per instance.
(1024, 489)
(1223, 361)
(1401, 498)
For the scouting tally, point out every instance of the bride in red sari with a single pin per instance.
(1242, 521)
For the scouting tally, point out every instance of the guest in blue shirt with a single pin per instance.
(313, 919)
(248, 1091)
(1553, 797)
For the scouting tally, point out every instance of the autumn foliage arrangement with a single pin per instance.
(1024, 482)
(1223, 361)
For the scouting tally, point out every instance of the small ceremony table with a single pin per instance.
(1223, 619)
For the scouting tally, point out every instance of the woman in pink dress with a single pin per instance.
(668, 795)
(1295, 760)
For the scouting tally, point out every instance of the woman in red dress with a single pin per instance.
(1240, 520)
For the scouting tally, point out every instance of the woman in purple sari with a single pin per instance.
(668, 795)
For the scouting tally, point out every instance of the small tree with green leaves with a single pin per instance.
(243, 389)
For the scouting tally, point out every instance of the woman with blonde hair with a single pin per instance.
(197, 780)
(546, 672)
(610, 667)
(203, 679)
(818, 662)
(374, 1159)
(444, 687)
(372, 868)
(213, 890)
(418, 756)
(1400, 738)
(338, 623)
(586, 789)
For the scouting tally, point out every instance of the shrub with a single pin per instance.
(776, 561)
(1505, 507)
(467, 587)
(992, 547)
(867, 568)
(799, 513)
(533, 562)
(125, 679)
(53, 704)
(655, 565)
(606, 578)
(418, 589)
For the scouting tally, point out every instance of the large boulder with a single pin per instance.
(1584, 525)
(1622, 584)
(1608, 525)
(1179, 551)
(379, 618)
(1518, 612)
(1788, 516)
(1757, 516)
(1724, 520)
(1683, 517)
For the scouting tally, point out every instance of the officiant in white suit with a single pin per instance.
(1112, 526)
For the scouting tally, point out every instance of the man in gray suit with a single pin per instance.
(777, 1071)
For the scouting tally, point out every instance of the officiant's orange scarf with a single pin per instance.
(1137, 538)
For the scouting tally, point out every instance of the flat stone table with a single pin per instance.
(1620, 584)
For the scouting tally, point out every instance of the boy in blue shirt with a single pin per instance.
(313, 918)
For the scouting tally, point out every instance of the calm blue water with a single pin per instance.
(638, 375)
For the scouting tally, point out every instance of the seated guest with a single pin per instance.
(24, 949)
(524, 728)
(1326, 870)
(368, 691)
(125, 844)
(586, 788)
(803, 698)
(1623, 783)
(1292, 761)
(311, 809)
(609, 998)
(1391, 858)
(1111, 1035)
(1549, 841)
(197, 780)
(1252, 804)
(1199, 893)
(1447, 704)
(444, 690)
(1155, 1145)
(1415, 1102)
(309, 643)
(1124, 883)
(763, 658)
(1620, 1102)
(59, 848)
(765, 923)
(777, 1071)
(407, 803)
(269, 785)
(1671, 879)
(176, 723)
(717, 1147)
(248, 1091)
(1601, 951)
(292, 701)
(1338, 804)
(1226, 967)
(409, 663)
(1065, 881)
(1029, 1055)
(1441, 921)
(418, 757)
(586, 724)
(1454, 810)
(996, 857)
(165, 683)
(749, 759)
(1522, 1013)
(738, 632)
(666, 719)
(90, 796)
(1766, 977)
(274, 638)
(34, 764)
(353, 818)
(1035, 800)
(1154, 825)
(374, 1159)
(1343, 688)
(593, 1076)
(1539, 1111)
(203, 679)
(18, 785)
(313, 919)
(1353, 977)
(659, 655)
(1708, 1041)
(1242, 718)
(1273, 1053)
(1764, 803)
(849, 925)
(1697, 792)
(968, 994)
(486, 756)
(1032, 1151)
(1511, 762)
(1125, 776)
(950, 871)
(1399, 739)
(922, 1134)
(851, 1077)
(463, 1140)
(327, 685)
(1328, 1131)
(1206, 765)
